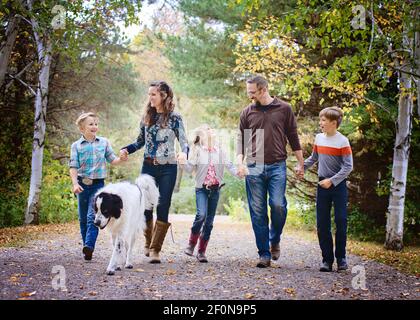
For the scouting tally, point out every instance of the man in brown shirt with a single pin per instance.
(264, 129)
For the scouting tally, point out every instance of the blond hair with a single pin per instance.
(198, 136)
(82, 118)
(332, 114)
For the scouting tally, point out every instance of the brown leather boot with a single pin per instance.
(148, 236)
(159, 233)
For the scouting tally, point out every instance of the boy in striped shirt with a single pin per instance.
(333, 153)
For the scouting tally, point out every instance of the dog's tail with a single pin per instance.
(148, 185)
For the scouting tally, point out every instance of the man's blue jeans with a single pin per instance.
(206, 201)
(263, 180)
(87, 213)
(165, 179)
(324, 200)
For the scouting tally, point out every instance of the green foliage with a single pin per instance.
(232, 193)
(237, 210)
(183, 202)
(58, 203)
(361, 227)
(215, 10)
(12, 204)
(300, 216)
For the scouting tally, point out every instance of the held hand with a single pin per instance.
(77, 188)
(181, 158)
(326, 183)
(242, 171)
(299, 171)
(124, 154)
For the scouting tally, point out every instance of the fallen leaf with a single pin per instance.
(170, 272)
(93, 293)
(249, 295)
(290, 291)
(27, 294)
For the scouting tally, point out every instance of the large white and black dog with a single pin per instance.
(120, 208)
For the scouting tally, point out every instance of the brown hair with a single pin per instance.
(332, 113)
(82, 118)
(168, 105)
(260, 81)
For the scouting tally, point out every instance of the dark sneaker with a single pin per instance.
(275, 251)
(87, 251)
(342, 265)
(263, 263)
(202, 257)
(326, 267)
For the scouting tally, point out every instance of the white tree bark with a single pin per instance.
(395, 214)
(417, 57)
(7, 47)
(44, 47)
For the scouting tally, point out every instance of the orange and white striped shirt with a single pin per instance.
(334, 157)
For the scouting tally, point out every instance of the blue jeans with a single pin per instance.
(206, 201)
(266, 179)
(324, 200)
(165, 178)
(87, 213)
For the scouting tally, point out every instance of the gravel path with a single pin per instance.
(33, 271)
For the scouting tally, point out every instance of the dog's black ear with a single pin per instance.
(117, 206)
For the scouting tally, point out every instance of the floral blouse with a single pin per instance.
(160, 142)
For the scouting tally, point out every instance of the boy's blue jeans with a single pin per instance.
(266, 179)
(336, 195)
(206, 201)
(87, 213)
(165, 179)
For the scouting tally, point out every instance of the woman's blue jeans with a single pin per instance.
(165, 178)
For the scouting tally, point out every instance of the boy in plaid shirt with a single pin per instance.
(88, 159)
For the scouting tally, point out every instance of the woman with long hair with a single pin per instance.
(159, 128)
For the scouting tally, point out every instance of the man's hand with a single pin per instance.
(242, 171)
(326, 183)
(299, 171)
(124, 154)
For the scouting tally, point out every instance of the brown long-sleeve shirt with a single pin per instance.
(279, 126)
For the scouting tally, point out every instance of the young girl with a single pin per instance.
(208, 161)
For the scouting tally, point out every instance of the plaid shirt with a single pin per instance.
(89, 158)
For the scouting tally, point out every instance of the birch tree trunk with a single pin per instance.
(7, 47)
(417, 57)
(395, 214)
(44, 47)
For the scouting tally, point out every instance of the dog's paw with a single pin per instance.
(129, 266)
(118, 268)
(110, 272)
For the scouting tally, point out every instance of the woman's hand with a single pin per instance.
(181, 158)
(124, 154)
